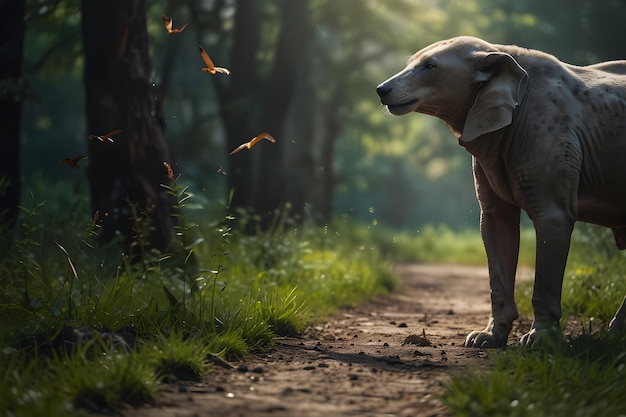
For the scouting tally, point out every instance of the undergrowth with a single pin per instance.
(86, 327)
(435, 244)
(89, 328)
(584, 377)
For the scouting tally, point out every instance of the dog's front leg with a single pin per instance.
(499, 225)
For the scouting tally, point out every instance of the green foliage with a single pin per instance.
(434, 244)
(227, 293)
(409, 169)
(179, 356)
(283, 312)
(105, 323)
(24, 391)
(105, 382)
(581, 378)
(93, 377)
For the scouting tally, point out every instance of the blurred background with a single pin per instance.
(303, 70)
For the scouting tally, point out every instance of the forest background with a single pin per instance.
(305, 71)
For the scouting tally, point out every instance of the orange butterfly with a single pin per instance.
(167, 21)
(106, 137)
(73, 162)
(210, 68)
(254, 141)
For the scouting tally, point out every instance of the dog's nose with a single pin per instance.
(383, 89)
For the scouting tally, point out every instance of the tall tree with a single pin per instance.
(119, 93)
(257, 98)
(296, 32)
(11, 59)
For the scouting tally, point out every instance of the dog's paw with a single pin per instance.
(484, 340)
(543, 335)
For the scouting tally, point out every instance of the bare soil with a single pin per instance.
(388, 357)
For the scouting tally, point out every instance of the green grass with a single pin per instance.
(224, 292)
(437, 244)
(93, 378)
(585, 377)
(179, 356)
(87, 328)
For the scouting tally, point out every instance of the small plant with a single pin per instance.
(230, 345)
(284, 313)
(184, 247)
(105, 382)
(25, 245)
(225, 232)
(180, 356)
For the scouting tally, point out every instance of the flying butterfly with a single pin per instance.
(73, 162)
(106, 137)
(167, 21)
(254, 141)
(210, 68)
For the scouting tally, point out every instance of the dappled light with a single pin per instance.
(190, 187)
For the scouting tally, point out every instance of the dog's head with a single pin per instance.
(465, 81)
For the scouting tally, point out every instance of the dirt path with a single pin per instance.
(359, 363)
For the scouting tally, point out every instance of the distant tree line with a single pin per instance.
(302, 70)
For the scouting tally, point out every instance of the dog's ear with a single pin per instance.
(502, 83)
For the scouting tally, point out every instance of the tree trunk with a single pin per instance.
(120, 95)
(238, 96)
(331, 131)
(251, 103)
(11, 59)
(295, 34)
